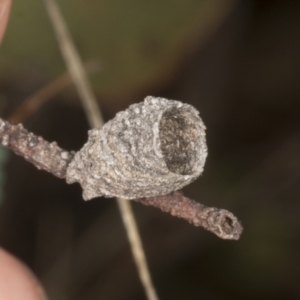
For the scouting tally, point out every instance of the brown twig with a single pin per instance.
(50, 157)
(44, 155)
(218, 221)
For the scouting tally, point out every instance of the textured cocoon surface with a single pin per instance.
(152, 148)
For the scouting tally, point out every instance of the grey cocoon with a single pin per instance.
(150, 149)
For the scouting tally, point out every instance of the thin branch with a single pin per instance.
(31, 104)
(44, 155)
(95, 118)
(50, 157)
(218, 221)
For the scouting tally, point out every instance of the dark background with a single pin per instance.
(243, 77)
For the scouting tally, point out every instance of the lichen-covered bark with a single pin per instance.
(44, 155)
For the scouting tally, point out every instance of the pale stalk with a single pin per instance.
(89, 102)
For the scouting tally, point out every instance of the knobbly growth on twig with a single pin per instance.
(146, 153)
(141, 153)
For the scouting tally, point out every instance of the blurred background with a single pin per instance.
(238, 63)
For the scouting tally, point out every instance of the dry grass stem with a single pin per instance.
(95, 118)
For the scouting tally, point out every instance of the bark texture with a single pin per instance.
(44, 155)
(218, 221)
